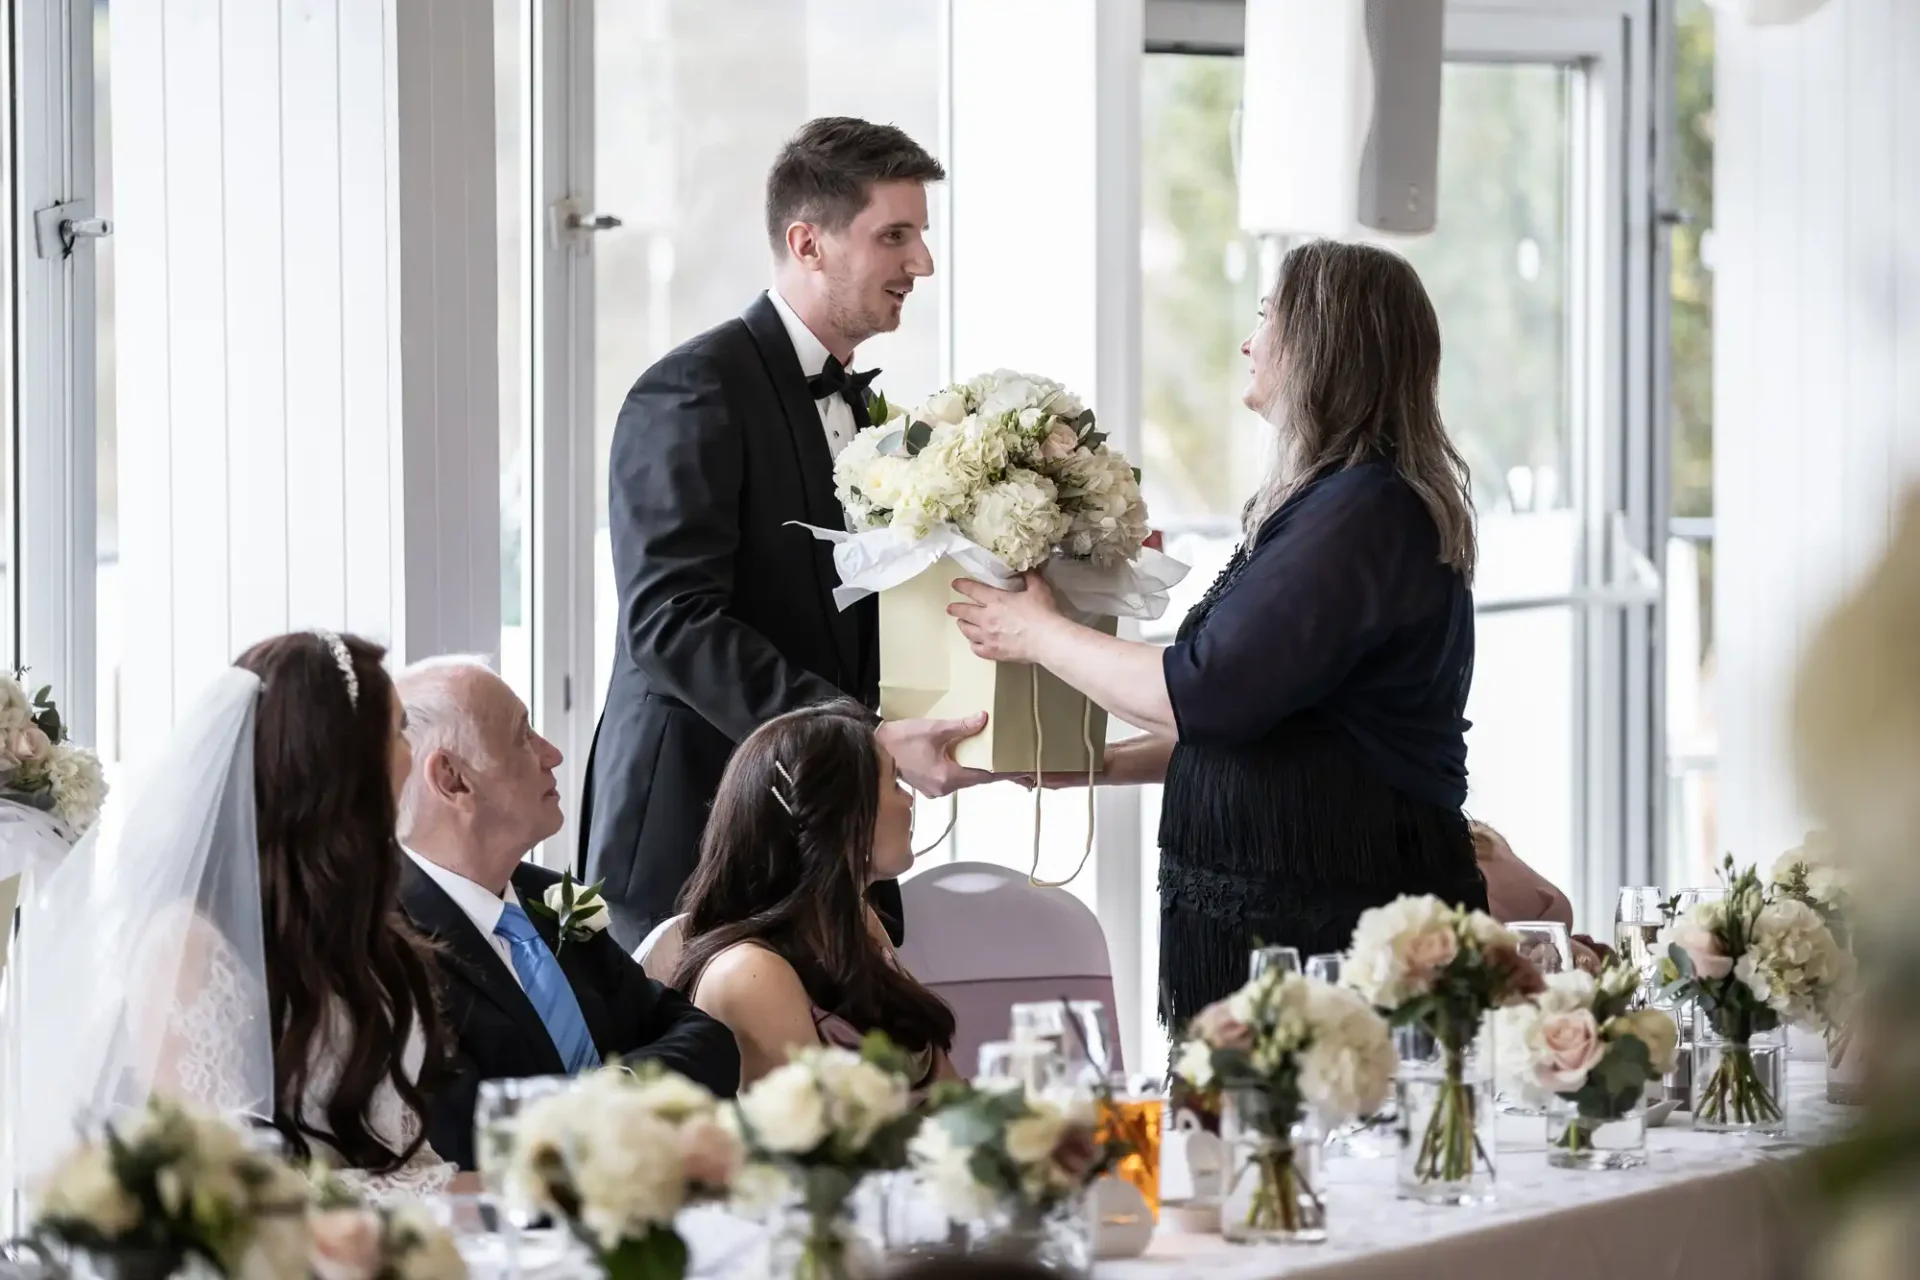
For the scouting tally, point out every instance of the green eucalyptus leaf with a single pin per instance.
(918, 435)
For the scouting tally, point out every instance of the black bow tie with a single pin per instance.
(837, 380)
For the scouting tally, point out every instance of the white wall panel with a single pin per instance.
(1817, 315)
(307, 332)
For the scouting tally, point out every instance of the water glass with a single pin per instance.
(1546, 943)
(487, 1241)
(1285, 959)
(494, 1116)
(1637, 922)
(1327, 967)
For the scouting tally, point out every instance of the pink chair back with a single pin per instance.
(984, 939)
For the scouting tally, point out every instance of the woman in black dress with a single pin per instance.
(1308, 720)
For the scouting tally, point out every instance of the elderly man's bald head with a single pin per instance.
(482, 778)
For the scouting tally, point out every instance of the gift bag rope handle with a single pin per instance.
(1039, 791)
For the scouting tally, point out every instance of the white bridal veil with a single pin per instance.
(141, 962)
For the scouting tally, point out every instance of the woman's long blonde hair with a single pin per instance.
(1359, 380)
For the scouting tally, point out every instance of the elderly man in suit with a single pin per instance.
(527, 991)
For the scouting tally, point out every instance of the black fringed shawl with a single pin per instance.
(1319, 691)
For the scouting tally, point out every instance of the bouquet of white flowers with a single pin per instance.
(821, 1124)
(979, 1149)
(160, 1186)
(1278, 1045)
(396, 1240)
(1750, 961)
(53, 789)
(617, 1156)
(1583, 1043)
(1441, 969)
(1012, 460)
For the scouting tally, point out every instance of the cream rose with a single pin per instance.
(556, 900)
(27, 744)
(1031, 1139)
(1570, 1047)
(1196, 1064)
(1654, 1028)
(346, 1244)
(1058, 443)
(1430, 951)
(784, 1110)
(948, 406)
(1220, 1027)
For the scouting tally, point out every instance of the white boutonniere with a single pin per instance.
(578, 911)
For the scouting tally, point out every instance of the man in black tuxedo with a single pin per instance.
(726, 611)
(525, 994)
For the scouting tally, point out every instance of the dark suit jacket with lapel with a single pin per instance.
(498, 1035)
(726, 612)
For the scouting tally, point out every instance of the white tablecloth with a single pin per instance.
(1704, 1205)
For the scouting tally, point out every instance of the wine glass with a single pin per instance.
(1285, 959)
(1546, 943)
(1327, 967)
(1637, 922)
(495, 1115)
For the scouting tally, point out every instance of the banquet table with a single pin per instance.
(1704, 1204)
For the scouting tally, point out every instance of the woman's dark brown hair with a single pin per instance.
(1359, 381)
(796, 882)
(330, 890)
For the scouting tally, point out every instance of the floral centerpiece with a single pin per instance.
(1814, 874)
(1014, 1164)
(53, 789)
(617, 1156)
(1438, 970)
(157, 1190)
(1586, 1046)
(821, 1124)
(396, 1240)
(1287, 1054)
(1750, 961)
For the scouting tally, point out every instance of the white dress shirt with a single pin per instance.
(836, 415)
(478, 901)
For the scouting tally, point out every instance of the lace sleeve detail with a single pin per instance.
(200, 1031)
(424, 1174)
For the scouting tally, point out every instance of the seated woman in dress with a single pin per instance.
(780, 942)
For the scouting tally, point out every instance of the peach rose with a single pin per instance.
(1216, 1025)
(1570, 1047)
(346, 1244)
(1703, 948)
(709, 1154)
(1430, 952)
(27, 744)
(1060, 442)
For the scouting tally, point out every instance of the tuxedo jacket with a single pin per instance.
(498, 1035)
(726, 611)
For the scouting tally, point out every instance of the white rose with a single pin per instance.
(1031, 1139)
(79, 785)
(861, 1098)
(15, 711)
(784, 1111)
(84, 1187)
(1488, 932)
(1018, 519)
(948, 406)
(556, 900)
(1196, 1064)
(1378, 965)
(947, 1170)
(1566, 992)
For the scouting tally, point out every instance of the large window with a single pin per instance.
(1518, 270)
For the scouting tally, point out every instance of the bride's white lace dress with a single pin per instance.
(201, 1058)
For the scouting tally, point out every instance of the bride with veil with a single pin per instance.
(230, 937)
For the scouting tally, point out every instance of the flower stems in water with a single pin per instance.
(1735, 1094)
(1282, 1194)
(1451, 1140)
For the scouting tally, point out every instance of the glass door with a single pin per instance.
(1528, 272)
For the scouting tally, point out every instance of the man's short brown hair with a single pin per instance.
(826, 172)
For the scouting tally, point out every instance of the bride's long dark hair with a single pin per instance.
(330, 891)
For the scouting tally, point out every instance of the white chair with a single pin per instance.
(984, 939)
(659, 951)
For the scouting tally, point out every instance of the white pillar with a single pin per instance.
(1044, 274)
(307, 390)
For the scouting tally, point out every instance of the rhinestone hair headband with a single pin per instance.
(344, 661)
(787, 778)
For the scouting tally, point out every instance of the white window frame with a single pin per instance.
(47, 337)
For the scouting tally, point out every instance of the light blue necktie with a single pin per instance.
(547, 987)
